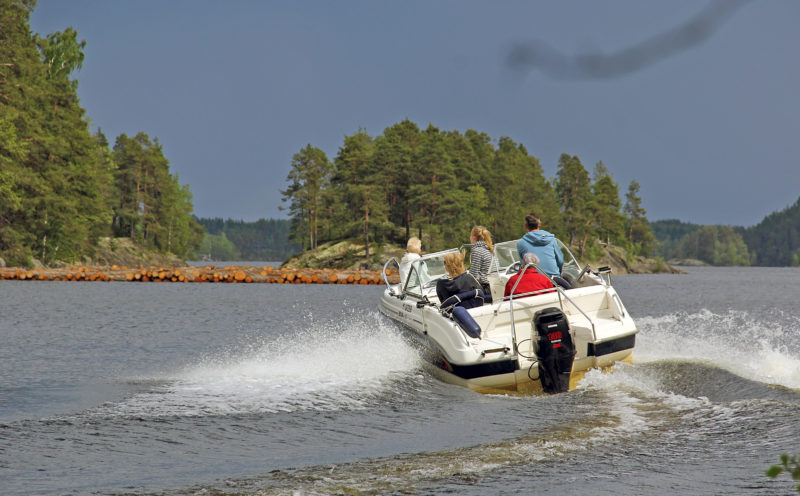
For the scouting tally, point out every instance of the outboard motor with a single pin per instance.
(555, 349)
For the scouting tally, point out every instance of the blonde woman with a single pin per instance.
(459, 280)
(413, 252)
(480, 260)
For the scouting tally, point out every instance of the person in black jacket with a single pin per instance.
(459, 280)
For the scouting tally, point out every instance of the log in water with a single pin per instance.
(209, 273)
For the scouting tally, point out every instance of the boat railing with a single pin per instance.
(591, 321)
(385, 273)
(559, 290)
(511, 302)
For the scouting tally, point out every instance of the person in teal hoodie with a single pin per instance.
(542, 244)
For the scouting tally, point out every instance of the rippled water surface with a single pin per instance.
(121, 388)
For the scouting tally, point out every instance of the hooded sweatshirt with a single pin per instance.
(544, 245)
(405, 266)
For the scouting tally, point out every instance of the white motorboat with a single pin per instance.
(541, 341)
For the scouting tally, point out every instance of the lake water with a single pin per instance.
(171, 389)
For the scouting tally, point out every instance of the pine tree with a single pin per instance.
(640, 234)
(152, 208)
(308, 179)
(357, 186)
(608, 219)
(58, 210)
(574, 195)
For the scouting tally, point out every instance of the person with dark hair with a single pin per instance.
(542, 244)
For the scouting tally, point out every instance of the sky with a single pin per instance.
(696, 101)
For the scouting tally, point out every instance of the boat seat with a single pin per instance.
(456, 307)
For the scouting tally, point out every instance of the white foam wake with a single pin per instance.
(764, 351)
(339, 364)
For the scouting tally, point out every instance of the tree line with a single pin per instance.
(264, 239)
(714, 245)
(775, 241)
(61, 187)
(437, 184)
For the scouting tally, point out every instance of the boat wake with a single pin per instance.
(350, 362)
(764, 351)
(338, 365)
(693, 378)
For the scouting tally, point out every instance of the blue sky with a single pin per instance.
(697, 101)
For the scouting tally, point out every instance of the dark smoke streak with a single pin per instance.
(539, 55)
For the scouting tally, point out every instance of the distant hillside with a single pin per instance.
(669, 234)
(774, 242)
(264, 239)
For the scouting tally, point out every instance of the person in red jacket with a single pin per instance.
(532, 280)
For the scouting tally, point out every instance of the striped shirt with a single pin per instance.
(480, 261)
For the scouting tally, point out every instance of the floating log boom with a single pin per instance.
(208, 273)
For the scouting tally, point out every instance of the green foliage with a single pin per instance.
(308, 179)
(714, 245)
(12, 152)
(50, 160)
(265, 239)
(775, 241)
(607, 220)
(152, 208)
(62, 53)
(670, 234)
(516, 186)
(640, 235)
(730, 248)
(573, 190)
(58, 183)
(790, 465)
(218, 247)
(660, 266)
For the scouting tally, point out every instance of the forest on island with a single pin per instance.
(438, 184)
(63, 188)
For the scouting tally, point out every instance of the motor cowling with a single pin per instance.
(555, 349)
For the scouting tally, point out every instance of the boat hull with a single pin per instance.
(489, 365)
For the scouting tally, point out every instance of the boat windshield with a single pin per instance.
(426, 271)
(507, 255)
(570, 262)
